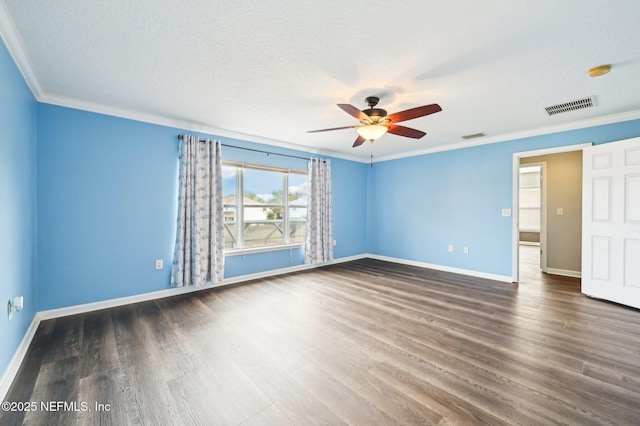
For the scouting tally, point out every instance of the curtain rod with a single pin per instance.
(257, 150)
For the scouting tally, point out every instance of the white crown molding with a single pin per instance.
(185, 125)
(200, 128)
(15, 46)
(13, 43)
(574, 125)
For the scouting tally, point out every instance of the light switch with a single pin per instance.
(18, 303)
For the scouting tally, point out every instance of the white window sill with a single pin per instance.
(529, 230)
(252, 250)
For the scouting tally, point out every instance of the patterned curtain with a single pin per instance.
(199, 251)
(319, 241)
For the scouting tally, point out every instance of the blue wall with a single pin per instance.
(107, 190)
(420, 205)
(107, 203)
(106, 206)
(17, 205)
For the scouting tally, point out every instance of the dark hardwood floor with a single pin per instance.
(365, 342)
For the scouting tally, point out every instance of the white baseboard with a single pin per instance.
(564, 272)
(18, 356)
(16, 360)
(496, 277)
(111, 303)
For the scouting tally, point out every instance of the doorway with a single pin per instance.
(560, 215)
(532, 218)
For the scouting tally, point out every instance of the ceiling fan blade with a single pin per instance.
(327, 130)
(405, 131)
(353, 111)
(414, 113)
(359, 141)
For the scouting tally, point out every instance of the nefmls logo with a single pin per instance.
(64, 406)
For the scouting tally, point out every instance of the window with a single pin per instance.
(530, 199)
(272, 210)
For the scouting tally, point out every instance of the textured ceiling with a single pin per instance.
(271, 70)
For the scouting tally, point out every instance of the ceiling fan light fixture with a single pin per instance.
(372, 132)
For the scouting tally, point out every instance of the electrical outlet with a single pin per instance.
(466, 250)
(159, 264)
(450, 248)
(335, 243)
(506, 212)
(560, 212)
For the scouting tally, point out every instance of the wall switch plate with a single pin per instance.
(506, 212)
(18, 303)
(450, 248)
(334, 243)
(159, 264)
(466, 250)
(560, 212)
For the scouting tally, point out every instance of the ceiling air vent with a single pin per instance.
(475, 135)
(570, 106)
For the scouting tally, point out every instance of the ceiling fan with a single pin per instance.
(375, 122)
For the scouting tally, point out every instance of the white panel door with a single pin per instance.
(611, 222)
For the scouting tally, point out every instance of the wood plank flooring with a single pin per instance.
(364, 342)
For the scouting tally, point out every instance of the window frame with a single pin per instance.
(239, 206)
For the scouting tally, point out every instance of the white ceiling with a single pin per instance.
(269, 70)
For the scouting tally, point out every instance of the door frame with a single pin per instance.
(515, 231)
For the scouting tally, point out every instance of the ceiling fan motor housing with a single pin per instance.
(375, 112)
